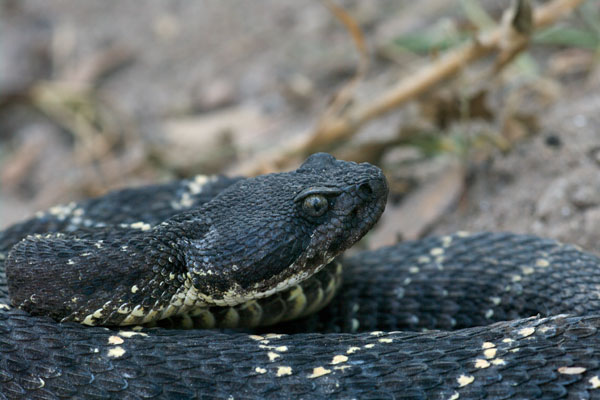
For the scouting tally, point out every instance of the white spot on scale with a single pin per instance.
(319, 371)
(489, 313)
(490, 353)
(352, 350)
(386, 340)
(481, 363)
(116, 352)
(339, 359)
(571, 370)
(454, 396)
(198, 183)
(134, 289)
(138, 311)
(436, 251)
(487, 345)
(260, 370)
(527, 270)
(283, 371)
(498, 361)
(128, 334)
(62, 211)
(115, 340)
(465, 380)
(542, 263)
(141, 226)
(595, 382)
(526, 332)
(272, 356)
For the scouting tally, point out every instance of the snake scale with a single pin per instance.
(463, 316)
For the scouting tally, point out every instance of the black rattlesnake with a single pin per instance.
(104, 268)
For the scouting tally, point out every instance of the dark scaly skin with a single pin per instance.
(255, 238)
(472, 280)
(445, 282)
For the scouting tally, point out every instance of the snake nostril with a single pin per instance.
(365, 190)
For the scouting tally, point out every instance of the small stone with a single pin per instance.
(553, 141)
(585, 196)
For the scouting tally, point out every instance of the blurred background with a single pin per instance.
(484, 115)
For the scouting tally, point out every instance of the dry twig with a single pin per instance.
(508, 43)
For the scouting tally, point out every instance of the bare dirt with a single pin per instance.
(179, 88)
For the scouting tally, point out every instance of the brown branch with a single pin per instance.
(339, 128)
(345, 95)
(437, 71)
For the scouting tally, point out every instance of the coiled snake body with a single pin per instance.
(232, 252)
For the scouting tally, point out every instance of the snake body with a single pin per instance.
(517, 315)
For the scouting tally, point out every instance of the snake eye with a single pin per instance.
(315, 205)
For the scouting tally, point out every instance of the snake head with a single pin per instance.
(271, 232)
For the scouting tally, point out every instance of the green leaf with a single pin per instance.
(570, 37)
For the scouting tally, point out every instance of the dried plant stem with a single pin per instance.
(437, 71)
(337, 128)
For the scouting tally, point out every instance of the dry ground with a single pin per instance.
(169, 89)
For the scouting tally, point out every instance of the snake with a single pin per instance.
(220, 287)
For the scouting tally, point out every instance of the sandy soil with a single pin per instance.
(189, 76)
